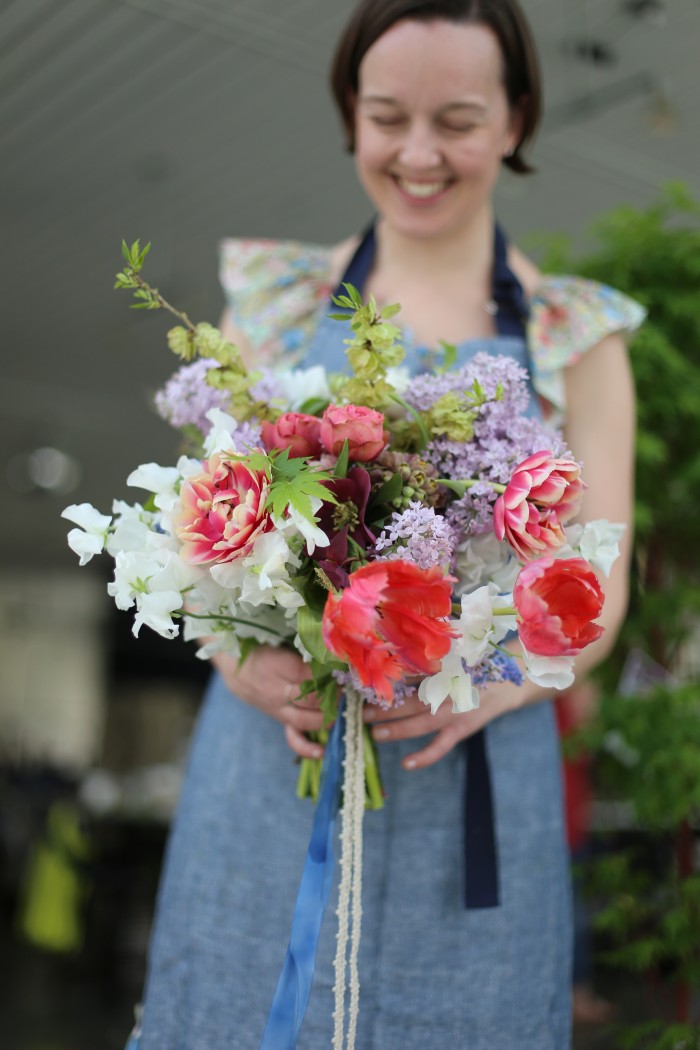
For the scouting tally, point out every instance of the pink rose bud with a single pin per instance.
(300, 433)
(361, 427)
(542, 494)
(223, 511)
(556, 600)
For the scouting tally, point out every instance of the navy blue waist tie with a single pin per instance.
(481, 883)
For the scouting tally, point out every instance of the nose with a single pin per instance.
(419, 147)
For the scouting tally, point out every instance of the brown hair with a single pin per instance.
(504, 18)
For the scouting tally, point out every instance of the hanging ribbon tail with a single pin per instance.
(294, 985)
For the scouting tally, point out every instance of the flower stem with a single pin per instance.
(460, 485)
(418, 419)
(229, 619)
(163, 302)
(374, 794)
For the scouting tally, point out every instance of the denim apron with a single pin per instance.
(482, 828)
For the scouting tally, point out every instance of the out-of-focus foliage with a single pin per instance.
(647, 742)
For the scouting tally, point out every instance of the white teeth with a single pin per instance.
(422, 189)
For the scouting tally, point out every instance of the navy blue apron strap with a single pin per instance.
(481, 881)
(507, 291)
(481, 885)
(357, 270)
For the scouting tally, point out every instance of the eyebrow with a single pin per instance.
(387, 100)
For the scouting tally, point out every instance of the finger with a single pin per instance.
(405, 728)
(304, 720)
(301, 745)
(411, 706)
(292, 694)
(441, 744)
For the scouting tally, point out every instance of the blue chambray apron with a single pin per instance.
(481, 828)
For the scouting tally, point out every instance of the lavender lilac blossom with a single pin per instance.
(419, 535)
(503, 436)
(187, 397)
(348, 679)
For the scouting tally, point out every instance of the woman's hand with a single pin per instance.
(415, 719)
(270, 680)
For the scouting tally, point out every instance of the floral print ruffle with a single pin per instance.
(276, 290)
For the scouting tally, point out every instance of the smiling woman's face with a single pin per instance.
(432, 125)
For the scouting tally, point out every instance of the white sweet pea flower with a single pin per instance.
(485, 559)
(154, 610)
(399, 376)
(132, 530)
(480, 625)
(188, 467)
(600, 543)
(451, 680)
(132, 572)
(220, 642)
(302, 650)
(299, 385)
(174, 574)
(161, 481)
(220, 437)
(313, 535)
(551, 672)
(90, 538)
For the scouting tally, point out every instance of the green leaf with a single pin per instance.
(309, 626)
(341, 467)
(389, 491)
(329, 696)
(248, 645)
(449, 356)
(314, 406)
(390, 311)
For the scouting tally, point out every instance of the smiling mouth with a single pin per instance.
(421, 190)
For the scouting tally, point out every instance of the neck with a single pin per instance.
(468, 250)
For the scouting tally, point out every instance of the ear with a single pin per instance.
(351, 109)
(516, 125)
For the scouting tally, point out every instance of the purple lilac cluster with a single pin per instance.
(419, 535)
(267, 388)
(187, 397)
(496, 667)
(248, 436)
(349, 680)
(503, 435)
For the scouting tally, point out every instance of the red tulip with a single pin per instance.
(557, 600)
(389, 623)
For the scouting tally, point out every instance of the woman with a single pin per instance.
(434, 97)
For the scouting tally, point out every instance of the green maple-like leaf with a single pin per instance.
(294, 483)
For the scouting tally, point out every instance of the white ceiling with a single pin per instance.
(180, 121)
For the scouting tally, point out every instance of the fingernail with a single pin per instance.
(380, 734)
(317, 753)
(410, 763)
(370, 714)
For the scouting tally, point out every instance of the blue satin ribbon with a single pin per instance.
(294, 985)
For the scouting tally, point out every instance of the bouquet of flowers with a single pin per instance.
(395, 530)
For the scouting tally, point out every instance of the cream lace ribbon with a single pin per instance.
(350, 894)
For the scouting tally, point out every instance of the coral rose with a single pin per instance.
(557, 600)
(361, 427)
(389, 623)
(223, 511)
(300, 433)
(542, 494)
